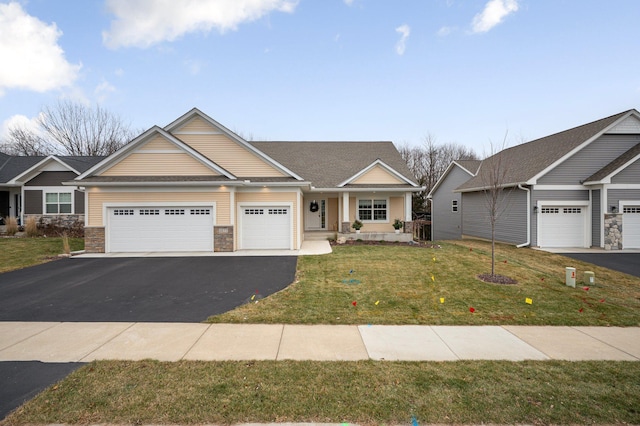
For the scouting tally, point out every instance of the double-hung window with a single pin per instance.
(372, 210)
(58, 202)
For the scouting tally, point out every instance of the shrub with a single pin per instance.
(11, 225)
(31, 227)
(65, 243)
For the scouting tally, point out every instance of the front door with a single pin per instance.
(316, 214)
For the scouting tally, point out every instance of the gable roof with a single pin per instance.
(370, 167)
(12, 167)
(468, 166)
(328, 164)
(129, 148)
(195, 112)
(613, 167)
(530, 160)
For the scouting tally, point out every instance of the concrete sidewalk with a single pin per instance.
(84, 342)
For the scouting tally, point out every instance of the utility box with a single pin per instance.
(570, 277)
(589, 278)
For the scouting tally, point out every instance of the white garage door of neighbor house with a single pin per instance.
(266, 228)
(562, 226)
(160, 229)
(631, 227)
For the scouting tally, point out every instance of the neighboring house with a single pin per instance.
(576, 188)
(32, 186)
(446, 204)
(196, 186)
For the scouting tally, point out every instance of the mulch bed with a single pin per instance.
(497, 279)
(419, 244)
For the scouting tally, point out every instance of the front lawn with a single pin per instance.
(364, 284)
(18, 253)
(367, 392)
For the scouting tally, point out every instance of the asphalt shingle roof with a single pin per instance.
(327, 164)
(470, 165)
(529, 159)
(615, 164)
(14, 165)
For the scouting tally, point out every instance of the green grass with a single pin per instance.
(399, 279)
(368, 392)
(18, 253)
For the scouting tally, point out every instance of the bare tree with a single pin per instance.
(429, 161)
(493, 172)
(22, 141)
(71, 128)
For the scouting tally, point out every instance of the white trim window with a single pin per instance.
(373, 210)
(454, 206)
(58, 202)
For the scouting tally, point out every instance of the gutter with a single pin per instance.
(528, 242)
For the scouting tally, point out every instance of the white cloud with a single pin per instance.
(119, 72)
(404, 30)
(18, 121)
(445, 31)
(29, 53)
(103, 90)
(494, 13)
(348, 2)
(143, 23)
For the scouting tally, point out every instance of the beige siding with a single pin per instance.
(332, 214)
(98, 198)
(270, 197)
(197, 124)
(377, 175)
(155, 164)
(158, 142)
(230, 155)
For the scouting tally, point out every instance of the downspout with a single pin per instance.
(528, 242)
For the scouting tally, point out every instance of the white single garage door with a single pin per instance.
(631, 227)
(266, 227)
(160, 229)
(562, 226)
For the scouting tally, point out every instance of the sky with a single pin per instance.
(462, 71)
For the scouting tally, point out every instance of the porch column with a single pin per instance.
(346, 225)
(408, 208)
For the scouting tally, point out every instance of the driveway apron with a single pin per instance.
(177, 289)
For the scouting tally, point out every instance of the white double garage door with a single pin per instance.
(566, 226)
(190, 228)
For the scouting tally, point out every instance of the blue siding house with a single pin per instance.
(576, 188)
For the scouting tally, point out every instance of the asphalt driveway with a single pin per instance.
(177, 289)
(629, 263)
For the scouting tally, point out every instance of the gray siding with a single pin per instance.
(78, 202)
(51, 179)
(445, 224)
(511, 226)
(615, 195)
(546, 195)
(596, 218)
(629, 175)
(589, 160)
(32, 202)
